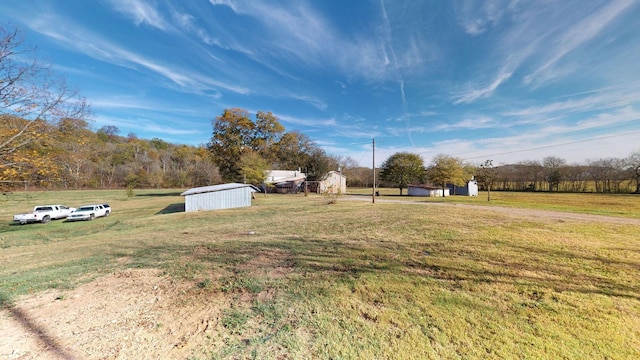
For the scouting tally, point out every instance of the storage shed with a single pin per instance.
(216, 197)
(426, 190)
(333, 183)
(470, 189)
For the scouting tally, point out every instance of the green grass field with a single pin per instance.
(355, 280)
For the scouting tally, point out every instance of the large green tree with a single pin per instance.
(401, 169)
(238, 140)
(253, 168)
(296, 150)
(267, 133)
(446, 169)
(233, 134)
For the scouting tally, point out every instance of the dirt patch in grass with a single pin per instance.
(133, 314)
(273, 262)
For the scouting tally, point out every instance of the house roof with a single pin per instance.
(283, 176)
(221, 187)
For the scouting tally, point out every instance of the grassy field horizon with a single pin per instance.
(360, 280)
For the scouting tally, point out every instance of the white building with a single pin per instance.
(426, 190)
(284, 181)
(470, 189)
(333, 183)
(216, 197)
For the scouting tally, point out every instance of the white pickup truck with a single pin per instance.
(43, 214)
(89, 212)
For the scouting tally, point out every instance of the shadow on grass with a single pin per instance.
(171, 209)
(43, 337)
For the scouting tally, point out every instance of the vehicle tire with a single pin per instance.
(45, 219)
(107, 213)
(92, 217)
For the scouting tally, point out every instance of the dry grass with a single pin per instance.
(355, 280)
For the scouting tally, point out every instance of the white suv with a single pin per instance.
(89, 212)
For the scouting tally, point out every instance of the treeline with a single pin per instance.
(68, 155)
(552, 174)
(608, 175)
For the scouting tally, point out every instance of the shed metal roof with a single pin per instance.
(426, 187)
(221, 187)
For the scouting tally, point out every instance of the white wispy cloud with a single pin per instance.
(479, 122)
(85, 41)
(109, 102)
(143, 124)
(607, 120)
(565, 140)
(532, 40)
(142, 12)
(313, 123)
(605, 98)
(297, 31)
(475, 94)
(577, 35)
(476, 17)
(403, 131)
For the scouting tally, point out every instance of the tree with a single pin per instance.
(236, 137)
(30, 97)
(108, 133)
(486, 176)
(402, 168)
(553, 171)
(447, 170)
(267, 132)
(292, 150)
(22, 156)
(634, 168)
(159, 144)
(253, 168)
(74, 145)
(232, 136)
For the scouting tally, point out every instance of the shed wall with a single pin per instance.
(225, 199)
(418, 191)
(473, 188)
(470, 189)
(334, 183)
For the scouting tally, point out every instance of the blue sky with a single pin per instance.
(504, 80)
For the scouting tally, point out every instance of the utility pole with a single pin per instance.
(373, 195)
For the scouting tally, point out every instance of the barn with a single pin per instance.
(426, 190)
(216, 197)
